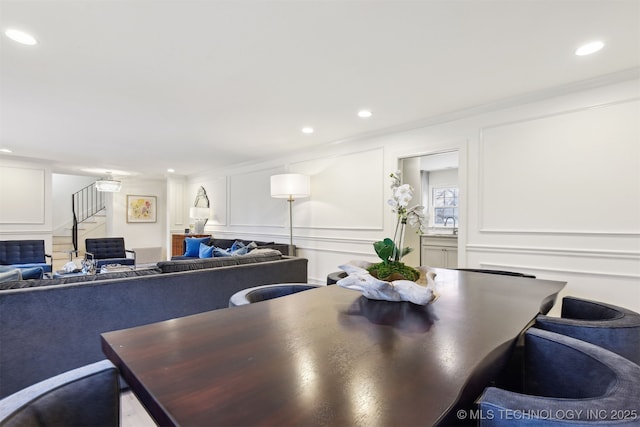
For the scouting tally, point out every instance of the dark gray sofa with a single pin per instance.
(55, 326)
(227, 243)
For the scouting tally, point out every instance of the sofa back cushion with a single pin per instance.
(257, 255)
(21, 252)
(19, 284)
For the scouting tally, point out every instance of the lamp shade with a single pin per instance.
(290, 185)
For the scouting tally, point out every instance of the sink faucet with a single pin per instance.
(446, 220)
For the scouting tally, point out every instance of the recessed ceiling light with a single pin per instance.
(5, 150)
(171, 170)
(589, 48)
(364, 113)
(20, 37)
(307, 130)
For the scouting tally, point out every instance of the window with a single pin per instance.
(445, 205)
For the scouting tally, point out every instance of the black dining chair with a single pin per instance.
(267, 292)
(609, 326)
(86, 396)
(500, 272)
(567, 382)
(332, 278)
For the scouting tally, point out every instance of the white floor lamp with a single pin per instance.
(290, 186)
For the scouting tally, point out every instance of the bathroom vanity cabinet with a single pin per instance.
(439, 251)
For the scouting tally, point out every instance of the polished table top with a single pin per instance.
(329, 356)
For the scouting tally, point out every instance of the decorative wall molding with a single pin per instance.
(271, 236)
(540, 172)
(249, 201)
(501, 104)
(584, 253)
(178, 204)
(21, 233)
(559, 113)
(585, 233)
(338, 251)
(25, 187)
(351, 192)
(557, 270)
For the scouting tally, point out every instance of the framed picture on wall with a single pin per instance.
(141, 208)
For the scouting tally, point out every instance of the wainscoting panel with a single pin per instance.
(176, 196)
(22, 191)
(572, 172)
(250, 201)
(345, 192)
(604, 276)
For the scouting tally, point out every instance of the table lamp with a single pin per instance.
(200, 215)
(290, 186)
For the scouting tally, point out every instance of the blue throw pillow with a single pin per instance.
(243, 250)
(206, 251)
(32, 273)
(218, 252)
(236, 245)
(193, 245)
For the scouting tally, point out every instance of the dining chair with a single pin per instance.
(567, 382)
(86, 396)
(500, 272)
(267, 292)
(332, 278)
(609, 326)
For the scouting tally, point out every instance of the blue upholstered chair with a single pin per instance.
(614, 328)
(568, 382)
(86, 396)
(24, 254)
(267, 292)
(109, 250)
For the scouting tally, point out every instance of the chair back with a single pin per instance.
(21, 252)
(568, 382)
(500, 272)
(615, 328)
(267, 292)
(107, 247)
(86, 396)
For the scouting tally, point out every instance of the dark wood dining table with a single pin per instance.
(328, 356)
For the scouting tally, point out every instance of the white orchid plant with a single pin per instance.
(391, 251)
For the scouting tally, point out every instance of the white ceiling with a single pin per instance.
(143, 85)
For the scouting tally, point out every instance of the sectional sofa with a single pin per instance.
(228, 244)
(50, 326)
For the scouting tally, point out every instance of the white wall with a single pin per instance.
(139, 235)
(62, 187)
(548, 187)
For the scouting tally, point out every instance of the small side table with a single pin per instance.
(177, 240)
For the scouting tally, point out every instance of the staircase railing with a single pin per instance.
(85, 203)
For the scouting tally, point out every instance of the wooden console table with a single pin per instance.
(329, 356)
(177, 240)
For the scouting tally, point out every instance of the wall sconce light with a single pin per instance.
(290, 186)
